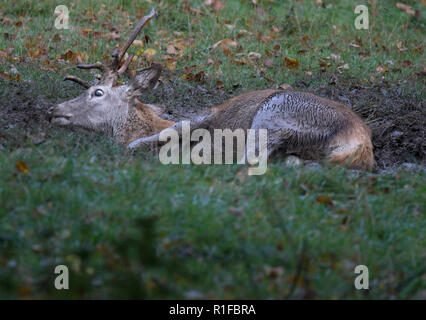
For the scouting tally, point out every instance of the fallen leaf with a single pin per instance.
(382, 69)
(325, 199)
(405, 63)
(239, 61)
(406, 8)
(254, 55)
(138, 43)
(171, 50)
(74, 57)
(227, 52)
(217, 5)
(86, 32)
(22, 167)
(149, 53)
(170, 64)
(291, 63)
(225, 44)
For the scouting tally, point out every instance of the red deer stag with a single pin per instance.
(297, 123)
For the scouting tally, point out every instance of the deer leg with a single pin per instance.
(194, 124)
(261, 150)
(281, 139)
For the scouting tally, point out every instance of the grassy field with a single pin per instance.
(129, 227)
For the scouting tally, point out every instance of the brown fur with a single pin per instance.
(141, 119)
(359, 151)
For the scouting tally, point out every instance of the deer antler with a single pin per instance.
(111, 72)
(78, 80)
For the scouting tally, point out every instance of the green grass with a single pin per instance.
(130, 227)
(330, 31)
(216, 230)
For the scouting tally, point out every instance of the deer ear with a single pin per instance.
(146, 79)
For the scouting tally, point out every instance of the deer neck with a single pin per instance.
(140, 121)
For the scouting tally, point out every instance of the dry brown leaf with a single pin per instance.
(406, 8)
(217, 5)
(382, 69)
(405, 63)
(74, 57)
(170, 63)
(227, 52)
(225, 44)
(239, 61)
(291, 63)
(138, 43)
(86, 32)
(325, 199)
(171, 50)
(241, 33)
(254, 55)
(22, 167)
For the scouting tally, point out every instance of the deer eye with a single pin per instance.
(99, 93)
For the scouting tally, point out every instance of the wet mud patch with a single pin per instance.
(397, 119)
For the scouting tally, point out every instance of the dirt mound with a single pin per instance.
(397, 119)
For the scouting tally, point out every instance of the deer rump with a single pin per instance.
(298, 123)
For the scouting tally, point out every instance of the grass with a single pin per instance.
(129, 227)
(223, 229)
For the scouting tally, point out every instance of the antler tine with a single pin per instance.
(78, 80)
(125, 64)
(142, 22)
(96, 65)
(110, 73)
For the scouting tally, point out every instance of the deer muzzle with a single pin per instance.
(55, 116)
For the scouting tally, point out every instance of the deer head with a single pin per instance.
(107, 107)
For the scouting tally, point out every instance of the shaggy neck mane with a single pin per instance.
(141, 121)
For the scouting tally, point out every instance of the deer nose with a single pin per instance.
(55, 112)
(49, 115)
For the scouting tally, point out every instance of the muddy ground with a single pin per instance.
(397, 120)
